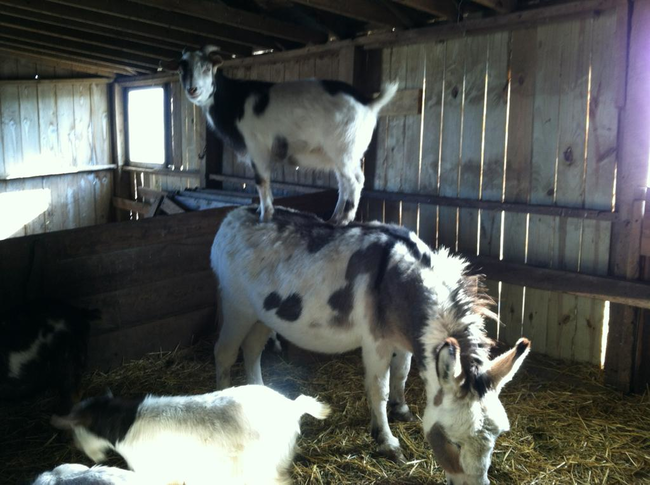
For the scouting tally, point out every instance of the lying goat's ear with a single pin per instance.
(450, 372)
(171, 65)
(64, 422)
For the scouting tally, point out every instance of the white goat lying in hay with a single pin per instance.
(377, 287)
(75, 474)
(325, 125)
(242, 435)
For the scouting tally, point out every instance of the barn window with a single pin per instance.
(146, 125)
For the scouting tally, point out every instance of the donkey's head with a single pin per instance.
(196, 70)
(464, 416)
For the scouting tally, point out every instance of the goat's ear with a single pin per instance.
(448, 367)
(64, 422)
(503, 368)
(212, 52)
(171, 65)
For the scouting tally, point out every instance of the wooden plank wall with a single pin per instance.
(527, 116)
(151, 279)
(48, 128)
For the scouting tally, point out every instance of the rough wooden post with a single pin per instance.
(634, 151)
(121, 186)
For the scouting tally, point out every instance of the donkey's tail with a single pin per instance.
(311, 406)
(387, 93)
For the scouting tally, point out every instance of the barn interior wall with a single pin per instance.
(527, 116)
(56, 152)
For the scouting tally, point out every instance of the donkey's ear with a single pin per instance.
(503, 368)
(448, 363)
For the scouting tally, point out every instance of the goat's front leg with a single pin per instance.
(400, 365)
(377, 370)
(262, 174)
(350, 180)
(344, 203)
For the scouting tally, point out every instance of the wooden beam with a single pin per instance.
(87, 68)
(615, 290)
(364, 10)
(440, 8)
(523, 19)
(162, 34)
(58, 80)
(131, 205)
(447, 201)
(204, 16)
(45, 18)
(440, 32)
(79, 49)
(501, 6)
(169, 207)
(61, 171)
(48, 55)
(113, 42)
(164, 171)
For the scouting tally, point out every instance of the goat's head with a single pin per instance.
(196, 70)
(464, 416)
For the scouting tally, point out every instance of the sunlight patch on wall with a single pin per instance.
(20, 208)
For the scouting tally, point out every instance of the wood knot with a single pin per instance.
(454, 92)
(521, 79)
(568, 155)
(550, 192)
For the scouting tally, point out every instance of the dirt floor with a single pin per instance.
(566, 427)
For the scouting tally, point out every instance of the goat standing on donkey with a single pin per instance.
(324, 125)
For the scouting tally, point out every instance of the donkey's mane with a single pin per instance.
(470, 306)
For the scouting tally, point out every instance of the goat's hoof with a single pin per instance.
(402, 417)
(393, 453)
(267, 216)
(338, 221)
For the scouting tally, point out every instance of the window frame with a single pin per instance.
(167, 127)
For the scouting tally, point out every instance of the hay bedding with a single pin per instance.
(560, 433)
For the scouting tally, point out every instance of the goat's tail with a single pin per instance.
(387, 93)
(311, 406)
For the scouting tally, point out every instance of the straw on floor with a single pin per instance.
(564, 430)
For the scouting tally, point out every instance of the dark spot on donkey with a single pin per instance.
(288, 309)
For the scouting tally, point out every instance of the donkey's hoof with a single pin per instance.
(392, 453)
(402, 417)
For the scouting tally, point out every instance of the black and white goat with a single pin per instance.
(76, 474)
(43, 344)
(242, 435)
(319, 124)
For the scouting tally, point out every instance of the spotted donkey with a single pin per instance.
(376, 287)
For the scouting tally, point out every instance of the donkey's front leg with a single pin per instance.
(400, 365)
(376, 367)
